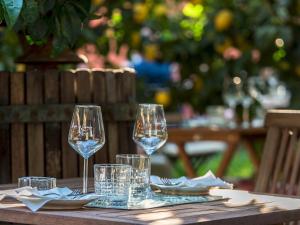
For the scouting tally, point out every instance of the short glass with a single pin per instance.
(140, 179)
(112, 182)
(41, 183)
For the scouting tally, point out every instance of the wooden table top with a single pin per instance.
(178, 134)
(240, 207)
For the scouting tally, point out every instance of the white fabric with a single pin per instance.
(35, 199)
(202, 183)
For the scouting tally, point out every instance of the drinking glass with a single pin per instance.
(41, 183)
(112, 182)
(150, 128)
(86, 134)
(140, 177)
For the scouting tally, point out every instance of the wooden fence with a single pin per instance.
(35, 112)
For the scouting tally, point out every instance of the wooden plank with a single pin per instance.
(283, 118)
(84, 96)
(112, 127)
(290, 155)
(266, 168)
(279, 160)
(122, 96)
(130, 86)
(295, 171)
(35, 132)
(242, 208)
(60, 113)
(52, 130)
(69, 156)
(17, 135)
(99, 98)
(5, 167)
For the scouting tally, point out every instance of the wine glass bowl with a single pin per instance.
(86, 134)
(150, 129)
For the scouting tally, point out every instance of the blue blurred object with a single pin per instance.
(152, 72)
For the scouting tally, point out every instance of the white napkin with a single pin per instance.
(35, 199)
(199, 183)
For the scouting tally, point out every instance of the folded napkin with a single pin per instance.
(202, 183)
(35, 199)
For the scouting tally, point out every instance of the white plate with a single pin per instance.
(63, 204)
(67, 204)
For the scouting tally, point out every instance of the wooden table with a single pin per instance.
(240, 207)
(233, 137)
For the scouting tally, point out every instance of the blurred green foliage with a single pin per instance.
(41, 22)
(199, 35)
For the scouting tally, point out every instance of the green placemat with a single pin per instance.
(158, 200)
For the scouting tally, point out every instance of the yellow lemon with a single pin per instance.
(135, 39)
(160, 10)
(297, 70)
(198, 84)
(140, 12)
(110, 33)
(163, 97)
(97, 2)
(242, 43)
(151, 51)
(220, 48)
(20, 67)
(223, 20)
(196, 2)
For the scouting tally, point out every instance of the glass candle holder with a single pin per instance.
(41, 183)
(112, 182)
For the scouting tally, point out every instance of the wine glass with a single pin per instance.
(232, 95)
(86, 134)
(150, 128)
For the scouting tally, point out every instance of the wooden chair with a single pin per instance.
(279, 171)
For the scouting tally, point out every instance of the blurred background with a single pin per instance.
(209, 62)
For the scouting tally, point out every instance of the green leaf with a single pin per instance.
(59, 45)
(38, 30)
(30, 12)
(1, 14)
(81, 9)
(46, 5)
(70, 24)
(11, 10)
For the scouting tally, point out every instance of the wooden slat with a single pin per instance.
(122, 96)
(52, 130)
(112, 127)
(69, 156)
(279, 160)
(290, 154)
(84, 96)
(99, 98)
(131, 98)
(18, 151)
(266, 168)
(35, 132)
(40, 113)
(5, 170)
(295, 170)
(283, 118)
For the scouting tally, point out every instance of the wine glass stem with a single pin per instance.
(85, 175)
